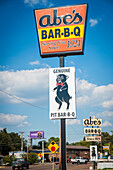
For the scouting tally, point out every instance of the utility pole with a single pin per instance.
(27, 146)
(21, 140)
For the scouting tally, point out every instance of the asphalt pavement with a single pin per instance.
(49, 166)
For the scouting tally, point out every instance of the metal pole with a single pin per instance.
(21, 141)
(53, 161)
(43, 150)
(63, 132)
(27, 145)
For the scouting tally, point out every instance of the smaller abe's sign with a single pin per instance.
(92, 131)
(62, 93)
(93, 138)
(92, 122)
(93, 153)
(53, 147)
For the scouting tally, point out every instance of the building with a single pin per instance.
(71, 150)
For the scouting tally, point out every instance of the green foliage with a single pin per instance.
(32, 158)
(8, 159)
(52, 139)
(9, 142)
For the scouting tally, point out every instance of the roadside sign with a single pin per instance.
(105, 147)
(53, 147)
(92, 122)
(93, 138)
(62, 93)
(93, 153)
(40, 154)
(92, 130)
(61, 30)
(36, 134)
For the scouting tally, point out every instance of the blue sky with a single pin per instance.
(24, 74)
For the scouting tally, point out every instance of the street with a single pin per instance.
(49, 166)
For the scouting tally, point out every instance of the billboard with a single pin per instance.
(93, 153)
(61, 30)
(93, 138)
(37, 134)
(62, 93)
(92, 122)
(92, 131)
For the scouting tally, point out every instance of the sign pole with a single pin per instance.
(63, 131)
(43, 150)
(53, 161)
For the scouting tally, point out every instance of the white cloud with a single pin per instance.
(108, 104)
(2, 66)
(106, 124)
(11, 119)
(35, 2)
(93, 95)
(74, 121)
(93, 22)
(72, 62)
(29, 85)
(79, 70)
(106, 114)
(34, 63)
(51, 4)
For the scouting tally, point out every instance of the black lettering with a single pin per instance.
(77, 31)
(57, 32)
(47, 17)
(66, 32)
(44, 34)
(50, 34)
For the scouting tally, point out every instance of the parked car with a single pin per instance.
(79, 160)
(20, 163)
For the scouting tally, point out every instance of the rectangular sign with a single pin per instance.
(92, 122)
(92, 130)
(61, 30)
(93, 153)
(93, 138)
(37, 134)
(62, 93)
(105, 147)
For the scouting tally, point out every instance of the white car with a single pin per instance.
(79, 160)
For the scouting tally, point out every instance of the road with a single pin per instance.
(49, 166)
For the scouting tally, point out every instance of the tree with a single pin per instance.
(5, 142)
(9, 142)
(52, 139)
(32, 158)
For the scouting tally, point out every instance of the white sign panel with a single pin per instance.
(92, 131)
(93, 153)
(62, 93)
(93, 138)
(92, 122)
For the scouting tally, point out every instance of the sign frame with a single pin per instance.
(92, 131)
(53, 144)
(55, 92)
(64, 53)
(93, 153)
(93, 138)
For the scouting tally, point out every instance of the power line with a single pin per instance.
(22, 100)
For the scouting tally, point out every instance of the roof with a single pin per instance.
(77, 147)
